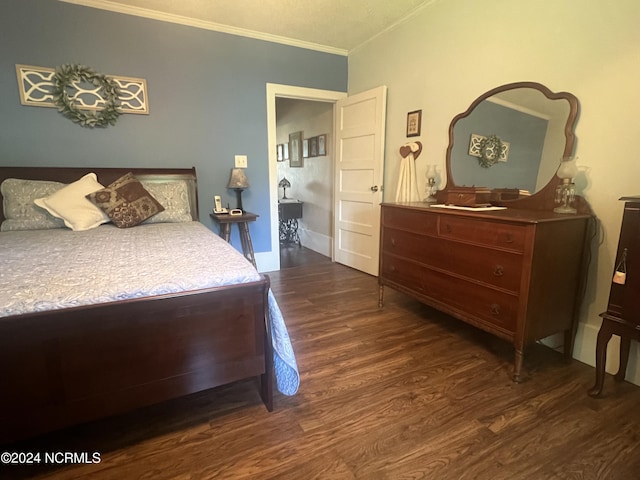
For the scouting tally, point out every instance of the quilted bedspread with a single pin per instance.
(58, 268)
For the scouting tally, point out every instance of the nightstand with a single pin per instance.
(225, 220)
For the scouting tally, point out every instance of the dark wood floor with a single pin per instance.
(294, 256)
(399, 393)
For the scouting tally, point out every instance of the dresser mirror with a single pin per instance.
(534, 128)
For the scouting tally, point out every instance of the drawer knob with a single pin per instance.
(495, 309)
(447, 228)
(509, 238)
(498, 271)
(393, 242)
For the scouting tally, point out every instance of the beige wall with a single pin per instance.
(313, 183)
(452, 51)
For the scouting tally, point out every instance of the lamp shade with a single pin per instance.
(284, 183)
(238, 179)
(567, 169)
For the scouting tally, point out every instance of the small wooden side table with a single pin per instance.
(224, 220)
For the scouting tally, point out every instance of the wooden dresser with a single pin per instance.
(517, 274)
(622, 317)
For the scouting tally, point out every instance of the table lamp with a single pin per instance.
(431, 184)
(565, 192)
(284, 184)
(238, 182)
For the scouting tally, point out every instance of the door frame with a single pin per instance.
(270, 261)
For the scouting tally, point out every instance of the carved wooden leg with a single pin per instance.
(517, 366)
(225, 231)
(247, 245)
(380, 296)
(604, 335)
(625, 346)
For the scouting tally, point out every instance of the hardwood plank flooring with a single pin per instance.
(403, 392)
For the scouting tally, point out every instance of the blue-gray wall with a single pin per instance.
(525, 134)
(207, 97)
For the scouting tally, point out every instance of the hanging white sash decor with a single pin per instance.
(407, 190)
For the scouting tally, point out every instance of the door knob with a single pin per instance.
(374, 188)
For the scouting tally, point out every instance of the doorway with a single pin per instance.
(270, 261)
(305, 202)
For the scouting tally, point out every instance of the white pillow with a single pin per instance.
(69, 204)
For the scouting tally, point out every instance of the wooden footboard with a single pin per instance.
(65, 367)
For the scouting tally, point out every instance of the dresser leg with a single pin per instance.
(625, 346)
(380, 296)
(517, 366)
(604, 335)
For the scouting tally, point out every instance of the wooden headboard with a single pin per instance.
(105, 177)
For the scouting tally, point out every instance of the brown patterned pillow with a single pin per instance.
(126, 202)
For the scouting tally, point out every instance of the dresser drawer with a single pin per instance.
(490, 307)
(403, 272)
(493, 234)
(413, 220)
(499, 268)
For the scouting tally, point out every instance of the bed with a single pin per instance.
(156, 315)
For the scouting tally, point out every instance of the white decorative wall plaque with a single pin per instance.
(474, 147)
(35, 85)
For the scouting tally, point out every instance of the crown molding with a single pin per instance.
(205, 25)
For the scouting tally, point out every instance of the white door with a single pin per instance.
(359, 161)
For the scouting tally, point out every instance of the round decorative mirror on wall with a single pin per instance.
(511, 140)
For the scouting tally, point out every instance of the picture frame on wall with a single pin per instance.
(295, 149)
(313, 147)
(414, 121)
(280, 151)
(322, 145)
(285, 151)
(305, 148)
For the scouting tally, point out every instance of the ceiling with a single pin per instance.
(335, 26)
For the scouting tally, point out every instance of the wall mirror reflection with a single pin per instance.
(534, 127)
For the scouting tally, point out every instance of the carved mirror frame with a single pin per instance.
(543, 199)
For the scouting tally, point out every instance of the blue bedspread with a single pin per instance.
(53, 269)
(284, 360)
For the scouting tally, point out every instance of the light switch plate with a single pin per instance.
(241, 161)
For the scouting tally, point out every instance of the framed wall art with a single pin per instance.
(295, 149)
(313, 147)
(322, 145)
(414, 120)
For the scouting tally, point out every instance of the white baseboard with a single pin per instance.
(268, 261)
(315, 241)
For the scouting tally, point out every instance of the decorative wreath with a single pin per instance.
(66, 76)
(490, 150)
